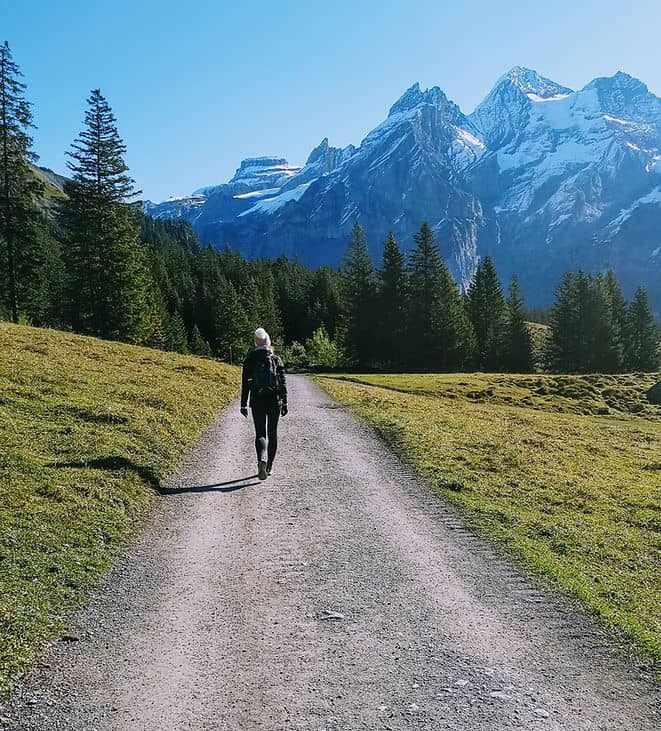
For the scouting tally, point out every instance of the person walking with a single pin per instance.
(265, 383)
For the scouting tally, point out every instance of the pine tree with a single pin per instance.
(617, 324)
(643, 342)
(109, 284)
(22, 253)
(176, 337)
(325, 301)
(487, 310)
(520, 358)
(585, 336)
(392, 300)
(441, 335)
(259, 302)
(197, 344)
(359, 291)
(563, 345)
(230, 336)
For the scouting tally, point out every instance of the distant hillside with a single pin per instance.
(53, 185)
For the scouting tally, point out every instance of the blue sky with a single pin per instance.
(198, 86)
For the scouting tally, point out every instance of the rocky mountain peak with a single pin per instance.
(414, 97)
(530, 83)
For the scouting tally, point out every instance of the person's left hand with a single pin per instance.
(283, 410)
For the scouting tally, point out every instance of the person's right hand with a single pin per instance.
(244, 411)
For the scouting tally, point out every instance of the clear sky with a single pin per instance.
(197, 86)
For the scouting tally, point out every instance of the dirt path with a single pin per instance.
(217, 618)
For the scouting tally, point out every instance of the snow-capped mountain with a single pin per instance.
(541, 177)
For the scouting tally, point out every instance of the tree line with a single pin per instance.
(90, 261)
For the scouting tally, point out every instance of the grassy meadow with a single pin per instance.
(87, 429)
(564, 471)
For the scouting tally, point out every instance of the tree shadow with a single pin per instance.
(229, 486)
(111, 464)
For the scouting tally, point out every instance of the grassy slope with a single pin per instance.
(87, 428)
(565, 471)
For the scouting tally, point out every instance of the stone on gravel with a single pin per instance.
(330, 615)
(461, 683)
(540, 712)
(500, 695)
(70, 638)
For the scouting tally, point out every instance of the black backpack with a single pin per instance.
(265, 377)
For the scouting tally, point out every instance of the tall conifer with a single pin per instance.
(441, 335)
(563, 345)
(392, 298)
(21, 244)
(643, 341)
(109, 283)
(520, 358)
(487, 309)
(359, 299)
(616, 308)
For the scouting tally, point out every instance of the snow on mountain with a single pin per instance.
(255, 173)
(542, 177)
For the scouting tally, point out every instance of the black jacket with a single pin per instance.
(254, 356)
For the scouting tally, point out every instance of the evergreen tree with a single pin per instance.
(197, 344)
(563, 346)
(617, 324)
(231, 332)
(441, 335)
(520, 357)
(108, 289)
(176, 337)
(487, 309)
(359, 291)
(643, 342)
(22, 251)
(585, 325)
(325, 301)
(293, 285)
(392, 300)
(259, 302)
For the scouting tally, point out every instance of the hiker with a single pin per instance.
(264, 381)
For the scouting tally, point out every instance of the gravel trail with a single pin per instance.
(338, 594)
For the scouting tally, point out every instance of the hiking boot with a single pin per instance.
(269, 468)
(261, 470)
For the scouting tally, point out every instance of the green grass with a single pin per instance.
(87, 429)
(564, 471)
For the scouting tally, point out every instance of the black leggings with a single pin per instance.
(265, 411)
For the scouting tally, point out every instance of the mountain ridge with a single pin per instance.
(541, 177)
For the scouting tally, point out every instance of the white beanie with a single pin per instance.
(262, 337)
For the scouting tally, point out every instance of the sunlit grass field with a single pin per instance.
(564, 471)
(87, 429)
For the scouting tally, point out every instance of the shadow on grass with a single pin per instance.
(229, 486)
(150, 477)
(111, 464)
